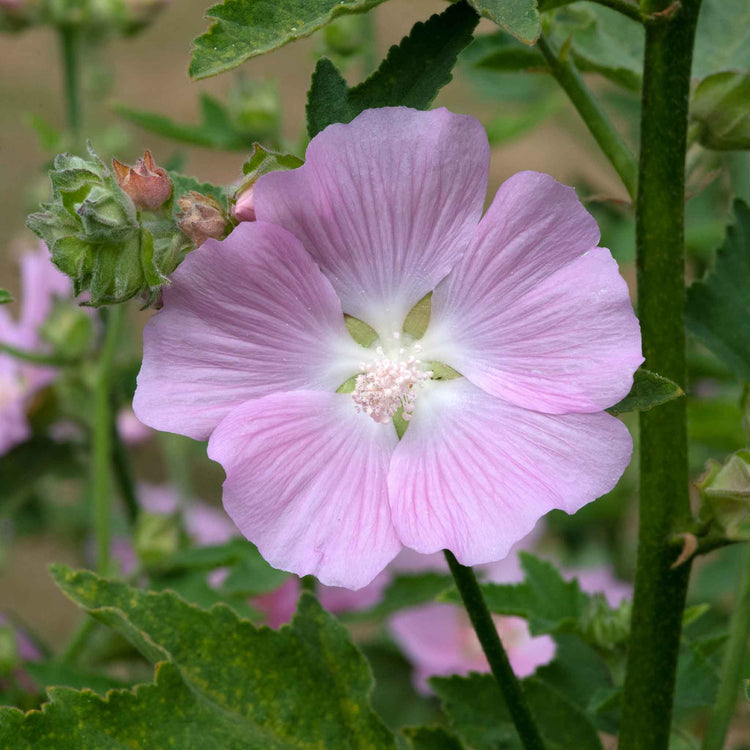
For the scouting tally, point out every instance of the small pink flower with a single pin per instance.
(41, 282)
(251, 348)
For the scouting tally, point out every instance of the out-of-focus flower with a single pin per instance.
(600, 580)
(16, 648)
(201, 217)
(41, 282)
(131, 429)
(530, 318)
(147, 184)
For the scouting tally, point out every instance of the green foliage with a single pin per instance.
(262, 161)
(431, 738)
(722, 39)
(245, 28)
(5, 297)
(717, 306)
(477, 712)
(725, 492)
(720, 113)
(411, 75)
(225, 684)
(649, 390)
(518, 17)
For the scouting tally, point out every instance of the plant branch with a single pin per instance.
(70, 49)
(37, 358)
(480, 617)
(124, 475)
(664, 505)
(625, 7)
(599, 125)
(734, 660)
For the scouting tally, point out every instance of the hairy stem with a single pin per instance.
(480, 617)
(70, 51)
(734, 660)
(101, 460)
(663, 499)
(609, 140)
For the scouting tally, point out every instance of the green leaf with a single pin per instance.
(411, 75)
(722, 39)
(246, 28)
(214, 131)
(5, 297)
(503, 54)
(477, 712)
(513, 123)
(519, 18)
(717, 306)
(720, 111)
(227, 684)
(649, 390)
(262, 161)
(431, 738)
(54, 673)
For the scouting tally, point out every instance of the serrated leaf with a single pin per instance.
(431, 738)
(411, 75)
(718, 306)
(477, 712)
(720, 111)
(5, 297)
(519, 18)
(227, 683)
(649, 390)
(245, 28)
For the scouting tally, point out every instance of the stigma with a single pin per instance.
(389, 383)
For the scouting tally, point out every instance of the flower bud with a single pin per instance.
(725, 491)
(201, 217)
(148, 185)
(244, 207)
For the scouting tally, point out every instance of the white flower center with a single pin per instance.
(389, 382)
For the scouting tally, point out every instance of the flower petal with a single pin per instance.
(243, 318)
(473, 473)
(385, 205)
(534, 313)
(306, 482)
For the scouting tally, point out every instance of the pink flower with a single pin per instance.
(131, 429)
(251, 348)
(601, 581)
(41, 282)
(244, 208)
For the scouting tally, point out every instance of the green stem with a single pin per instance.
(37, 358)
(664, 504)
(101, 460)
(480, 617)
(625, 7)
(609, 140)
(124, 475)
(70, 51)
(734, 662)
(79, 640)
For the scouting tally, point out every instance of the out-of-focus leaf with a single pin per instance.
(476, 710)
(501, 53)
(214, 131)
(697, 679)
(722, 39)
(431, 738)
(50, 138)
(226, 684)
(513, 123)
(720, 109)
(411, 75)
(5, 297)
(51, 673)
(649, 390)
(519, 18)
(243, 29)
(718, 306)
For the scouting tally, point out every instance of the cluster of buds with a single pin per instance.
(96, 234)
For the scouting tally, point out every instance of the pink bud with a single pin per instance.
(244, 208)
(148, 185)
(201, 217)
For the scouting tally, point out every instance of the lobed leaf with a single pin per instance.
(718, 306)
(243, 29)
(411, 75)
(649, 390)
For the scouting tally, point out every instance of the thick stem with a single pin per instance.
(101, 459)
(663, 499)
(609, 140)
(734, 661)
(70, 52)
(484, 627)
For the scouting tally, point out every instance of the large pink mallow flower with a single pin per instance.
(251, 348)
(41, 282)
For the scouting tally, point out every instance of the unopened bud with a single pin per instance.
(201, 217)
(147, 184)
(725, 491)
(244, 207)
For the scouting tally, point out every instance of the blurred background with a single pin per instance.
(531, 126)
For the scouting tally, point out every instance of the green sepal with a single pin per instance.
(725, 495)
(363, 333)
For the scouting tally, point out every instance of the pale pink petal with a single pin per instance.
(474, 474)
(600, 580)
(385, 205)
(131, 430)
(306, 483)
(41, 282)
(244, 317)
(535, 313)
(208, 525)
(525, 652)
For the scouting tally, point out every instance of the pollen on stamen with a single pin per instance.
(389, 383)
